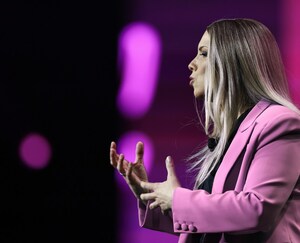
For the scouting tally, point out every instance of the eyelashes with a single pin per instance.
(204, 53)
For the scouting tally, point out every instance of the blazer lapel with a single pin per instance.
(237, 145)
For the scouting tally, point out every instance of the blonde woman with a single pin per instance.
(247, 187)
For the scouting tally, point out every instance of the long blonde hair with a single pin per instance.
(244, 67)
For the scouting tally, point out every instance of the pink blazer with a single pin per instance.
(256, 188)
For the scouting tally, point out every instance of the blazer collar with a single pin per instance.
(253, 114)
(238, 144)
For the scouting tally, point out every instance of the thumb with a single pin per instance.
(170, 166)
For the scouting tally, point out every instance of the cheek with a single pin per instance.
(199, 87)
(202, 68)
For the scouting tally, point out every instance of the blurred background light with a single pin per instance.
(139, 61)
(290, 48)
(127, 144)
(35, 151)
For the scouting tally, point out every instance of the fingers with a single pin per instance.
(120, 166)
(139, 151)
(113, 145)
(129, 169)
(148, 186)
(148, 196)
(116, 160)
(153, 205)
(114, 157)
(170, 166)
(164, 210)
(128, 173)
(113, 154)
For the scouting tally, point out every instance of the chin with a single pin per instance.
(198, 95)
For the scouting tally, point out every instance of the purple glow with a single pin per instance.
(139, 61)
(129, 229)
(290, 36)
(127, 143)
(35, 151)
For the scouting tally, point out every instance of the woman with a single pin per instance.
(247, 187)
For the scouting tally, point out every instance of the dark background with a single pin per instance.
(58, 78)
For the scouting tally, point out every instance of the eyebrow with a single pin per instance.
(201, 47)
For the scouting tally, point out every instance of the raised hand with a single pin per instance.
(162, 193)
(133, 172)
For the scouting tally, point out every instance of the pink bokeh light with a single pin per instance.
(127, 143)
(290, 39)
(139, 62)
(35, 151)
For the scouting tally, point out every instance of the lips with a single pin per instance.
(191, 81)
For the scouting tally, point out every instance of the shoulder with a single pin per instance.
(264, 113)
(277, 122)
(268, 121)
(276, 109)
(275, 113)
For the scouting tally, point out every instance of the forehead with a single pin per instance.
(204, 40)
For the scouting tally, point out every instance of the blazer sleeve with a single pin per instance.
(270, 180)
(154, 219)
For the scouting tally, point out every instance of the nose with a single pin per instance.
(192, 66)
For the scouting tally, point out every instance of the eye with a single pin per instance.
(203, 53)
